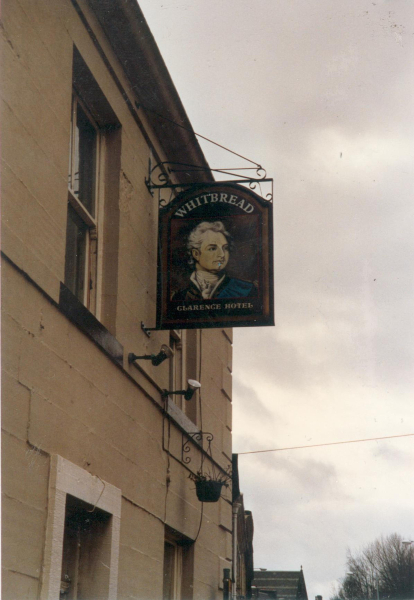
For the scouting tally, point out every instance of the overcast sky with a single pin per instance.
(321, 93)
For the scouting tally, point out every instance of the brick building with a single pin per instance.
(97, 500)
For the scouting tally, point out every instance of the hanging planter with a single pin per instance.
(208, 488)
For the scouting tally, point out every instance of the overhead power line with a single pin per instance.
(387, 437)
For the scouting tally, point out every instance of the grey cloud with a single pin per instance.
(397, 457)
(301, 528)
(303, 478)
(272, 357)
(248, 398)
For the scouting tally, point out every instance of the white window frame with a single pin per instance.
(68, 478)
(94, 222)
(177, 567)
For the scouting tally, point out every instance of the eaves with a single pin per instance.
(133, 43)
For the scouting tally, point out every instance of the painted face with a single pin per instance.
(213, 254)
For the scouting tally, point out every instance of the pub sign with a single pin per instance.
(215, 259)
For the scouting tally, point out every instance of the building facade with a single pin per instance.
(98, 500)
(279, 585)
(244, 559)
(243, 530)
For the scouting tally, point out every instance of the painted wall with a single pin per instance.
(61, 393)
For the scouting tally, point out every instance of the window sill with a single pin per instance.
(181, 419)
(85, 320)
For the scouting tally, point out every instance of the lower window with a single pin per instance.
(82, 535)
(172, 571)
(86, 551)
(178, 567)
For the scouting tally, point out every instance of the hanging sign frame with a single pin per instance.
(215, 262)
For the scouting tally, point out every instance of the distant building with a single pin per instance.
(244, 559)
(280, 585)
(242, 540)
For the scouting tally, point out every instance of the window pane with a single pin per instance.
(86, 552)
(83, 180)
(75, 265)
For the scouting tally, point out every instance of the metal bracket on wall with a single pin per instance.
(198, 438)
(147, 330)
(159, 176)
(159, 179)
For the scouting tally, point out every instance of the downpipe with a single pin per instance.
(234, 553)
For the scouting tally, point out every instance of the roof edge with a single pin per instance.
(131, 39)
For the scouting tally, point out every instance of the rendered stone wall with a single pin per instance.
(61, 393)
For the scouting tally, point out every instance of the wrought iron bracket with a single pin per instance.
(147, 330)
(159, 175)
(159, 178)
(197, 437)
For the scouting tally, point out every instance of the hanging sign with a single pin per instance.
(215, 259)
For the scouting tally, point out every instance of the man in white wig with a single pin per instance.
(209, 249)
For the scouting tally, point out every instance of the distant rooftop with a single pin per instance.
(282, 585)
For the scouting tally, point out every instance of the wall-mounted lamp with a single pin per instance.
(156, 359)
(192, 386)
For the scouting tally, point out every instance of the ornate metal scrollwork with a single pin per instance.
(198, 437)
(159, 175)
(159, 178)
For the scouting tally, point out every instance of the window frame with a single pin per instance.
(184, 364)
(177, 370)
(84, 544)
(177, 569)
(93, 222)
(67, 478)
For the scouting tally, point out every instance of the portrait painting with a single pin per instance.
(215, 258)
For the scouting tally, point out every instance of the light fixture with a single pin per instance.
(156, 359)
(192, 386)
